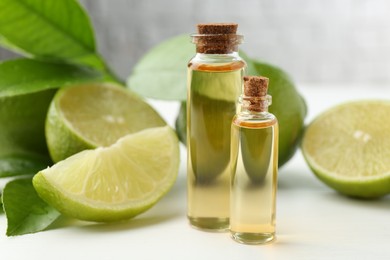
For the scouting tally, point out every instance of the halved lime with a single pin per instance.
(92, 115)
(348, 148)
(116, 182)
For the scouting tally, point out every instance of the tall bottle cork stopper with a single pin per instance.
(255, 93)
(217, 28)
(217, 38)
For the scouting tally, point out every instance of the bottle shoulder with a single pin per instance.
(216, 62)
(257, 120)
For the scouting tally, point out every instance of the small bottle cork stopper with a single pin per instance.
(217, 38)
(255, 91)
(255, 86)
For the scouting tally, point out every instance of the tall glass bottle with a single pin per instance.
(254, 166)
(214, 83)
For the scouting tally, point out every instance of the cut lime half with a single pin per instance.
(91, 115)
(348, 148)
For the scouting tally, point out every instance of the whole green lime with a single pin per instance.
(287, 105)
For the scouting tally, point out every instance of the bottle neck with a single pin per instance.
(217, 58)
(254, 105)
(217, 43)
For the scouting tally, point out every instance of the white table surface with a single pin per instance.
(313, 221)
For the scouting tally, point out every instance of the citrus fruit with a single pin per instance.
(91, 115)
(287, 105)
(115, 182)
(348, 148)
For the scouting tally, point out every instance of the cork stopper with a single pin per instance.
(255, 93)
(217, 38)
(217, 28)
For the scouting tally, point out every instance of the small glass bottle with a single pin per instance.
(214, 83)
(254, 166)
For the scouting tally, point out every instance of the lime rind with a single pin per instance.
(80, 210)
(370, 187)
(71, 141)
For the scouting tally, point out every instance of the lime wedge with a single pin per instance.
(348, 148)
(116, 182)
(92, 115)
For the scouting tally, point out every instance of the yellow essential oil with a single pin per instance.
(214, 82)
(254, 166)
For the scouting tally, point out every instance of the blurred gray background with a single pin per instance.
(316, 41)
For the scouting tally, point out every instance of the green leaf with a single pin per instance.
(22, 164)
(50, 30)
(162, 72)
(26, 212)
(22, 76)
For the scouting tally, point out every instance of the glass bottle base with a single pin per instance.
(210, 224)
(253, 238)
